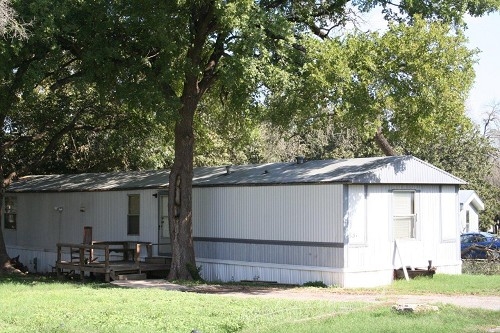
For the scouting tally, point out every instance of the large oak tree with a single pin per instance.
(242, 51)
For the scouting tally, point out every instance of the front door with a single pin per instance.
(164, 247)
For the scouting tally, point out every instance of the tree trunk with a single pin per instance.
(180, 194)
(4, 257)
(180, 208)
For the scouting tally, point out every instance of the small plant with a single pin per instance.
(317, 284)
(195, 272)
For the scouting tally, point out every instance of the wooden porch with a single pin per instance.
(110, 258)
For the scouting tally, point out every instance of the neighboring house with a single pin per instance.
(470, 206)
(335, 221)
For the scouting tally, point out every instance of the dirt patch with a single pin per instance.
(327, 294)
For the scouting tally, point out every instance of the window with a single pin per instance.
(404, 216)
(133, 214)
(10, 215)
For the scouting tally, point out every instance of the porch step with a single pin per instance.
(135, 276)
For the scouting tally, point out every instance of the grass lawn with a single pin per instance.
(447, 284)
(39, 305)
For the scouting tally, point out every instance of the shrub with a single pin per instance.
(318, 284)
(480, 267)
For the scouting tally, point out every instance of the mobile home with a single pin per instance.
(348, 223)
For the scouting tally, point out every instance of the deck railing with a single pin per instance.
(82, 257)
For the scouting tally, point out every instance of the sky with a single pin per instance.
(484, 33)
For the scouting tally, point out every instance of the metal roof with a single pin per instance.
(373, 170)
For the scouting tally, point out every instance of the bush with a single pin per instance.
(480, 267)
(318, 284)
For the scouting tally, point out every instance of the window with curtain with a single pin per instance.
(133, 214)
(404, 217)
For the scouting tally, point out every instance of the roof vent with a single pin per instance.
(228, 169)
(299, 159)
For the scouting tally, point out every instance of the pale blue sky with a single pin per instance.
(484, 34)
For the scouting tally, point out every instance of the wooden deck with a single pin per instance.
(108, 258)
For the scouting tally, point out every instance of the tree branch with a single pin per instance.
(383, 144)
(210, 72)
(63, 81)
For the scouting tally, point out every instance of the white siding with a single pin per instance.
(449, 221)
(288, 234)
(40, 226)
(307, 213)
(435, 207)
(357, 215)
(473, 219)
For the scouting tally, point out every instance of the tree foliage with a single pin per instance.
(55, 116)
(448, 11)
(411, 83)
(10, 26)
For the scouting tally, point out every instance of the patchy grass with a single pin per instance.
(440, 284)
(464, 284)
(42, 306)
(449, 284)
(383, 319)
(45, 305)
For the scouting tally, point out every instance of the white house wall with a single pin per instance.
(435, 206)
(278, 227)
(40, 226)
(473, 219)
(281, 213)
(284, 233)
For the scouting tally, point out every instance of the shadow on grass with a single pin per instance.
(51, 278)
(98, 282)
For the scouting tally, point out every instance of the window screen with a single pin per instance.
(404, 214)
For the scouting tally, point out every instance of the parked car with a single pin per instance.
(479, 245)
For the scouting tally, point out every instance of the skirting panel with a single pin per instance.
(321, 255)
(450, 269)
(368, 279)
(228, 271)
(37, 260)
